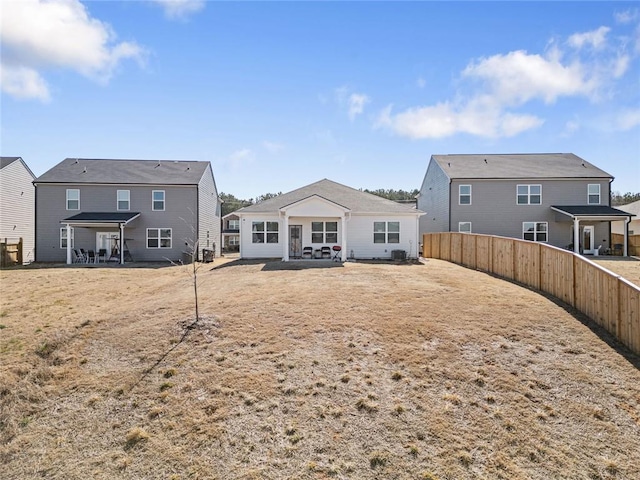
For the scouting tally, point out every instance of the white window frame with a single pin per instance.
(460, 224)
(528, 194)
(63, 237)
(234, 240)
(69, 199)
(460, 195)
(268, 232)
(153, 200)
(159, 237)
(388, 235)
(589, 194)
(536, 231)
(127, 199)
(235, 225)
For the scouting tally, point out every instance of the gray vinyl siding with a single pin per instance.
(17, 207)
(209, 213)
(494, 210)
(434, 200)
(181, 205)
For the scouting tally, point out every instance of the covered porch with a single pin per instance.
(316, 225)
(591, 214)
(96, 220)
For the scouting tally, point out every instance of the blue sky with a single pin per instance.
(281, 94)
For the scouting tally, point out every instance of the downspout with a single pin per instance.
(576, 235)
(625, 251)
(122, 243)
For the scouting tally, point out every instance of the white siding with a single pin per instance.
(248, 249)
(17, 207)
(360, 236)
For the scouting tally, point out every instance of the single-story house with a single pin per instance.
(327, 216)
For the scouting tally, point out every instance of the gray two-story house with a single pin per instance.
(556, 198)
(140, 210)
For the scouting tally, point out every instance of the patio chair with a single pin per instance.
(91, 256)
(78, 257)
(337, 249)
(307, 252)
(326, 252)
(102, 255)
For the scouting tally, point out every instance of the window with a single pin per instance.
(158, 238)
(464, 227)
(529, 194)
(258, 232)
(234, 224)
(63, 237)
(593, 190)
(158, 200)
(272, 232)
(535, 231)
(123, 199)
(386, 232)
(234, 240)
(464, 195)
(324, 232)
(73, 199)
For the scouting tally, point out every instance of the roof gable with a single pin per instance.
(354, 200)
(112, 171)
(6, 161)
(518, 166)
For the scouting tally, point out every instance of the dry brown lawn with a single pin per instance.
(361, 371)
(628, 267)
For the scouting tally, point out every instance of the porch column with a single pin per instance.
(625, 249)
(122, 244)
(576, 235)
(286, 241)
(69, 261)
(343, 228)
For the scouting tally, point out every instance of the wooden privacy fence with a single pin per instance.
(610, 300)
(10, 252)
(634, 242)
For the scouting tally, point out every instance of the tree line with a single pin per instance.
(232, 203)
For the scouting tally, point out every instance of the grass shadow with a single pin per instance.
(602, 333)
(300, 265)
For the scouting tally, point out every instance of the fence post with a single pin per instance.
(20, 251)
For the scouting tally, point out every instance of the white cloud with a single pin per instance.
(494, 90)
(627, 119)
(444, 120)
(357, 101)
(38, 34)
(626, 16)
(421, 82)
(272, 147)
(240, 158)
(180, 9)
(517, 77)
(352, 101)
(596, 38)
(23, 83)
(570, 128)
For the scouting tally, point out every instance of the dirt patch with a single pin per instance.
(364, 371)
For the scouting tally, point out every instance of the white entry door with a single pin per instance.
(587, 239)
(108, 241)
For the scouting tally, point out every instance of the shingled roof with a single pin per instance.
(109, 171)
(6, 161)
(526, 166)
(354, 200)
